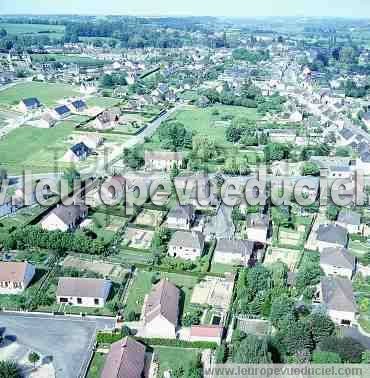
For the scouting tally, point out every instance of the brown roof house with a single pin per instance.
(163, 160)
(336, 294)
(64, 218)
(186, 245)
(15, 276)
(126, 359)
(161, 310)
(85, 292)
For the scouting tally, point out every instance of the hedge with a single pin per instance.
(108, 337)
(177, 343)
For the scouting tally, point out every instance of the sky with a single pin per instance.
(227, 8)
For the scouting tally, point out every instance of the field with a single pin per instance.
(52, 31)
(290, 257)
(48, 93)
(202, 121)
(168, 358)
(67, 59)
(102, 102)
(33, 148)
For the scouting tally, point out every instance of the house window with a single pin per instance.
(79, 300)
(96, 301)
(345, 322)
(63, 300)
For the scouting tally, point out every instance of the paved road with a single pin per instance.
(68, 340)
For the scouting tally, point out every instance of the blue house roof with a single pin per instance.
(31, 102)
(63, 109)
(80, 149)
(79, 104)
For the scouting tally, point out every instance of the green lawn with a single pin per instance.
(52, 31)
(173, 358)
(48, 93)
(103, 102)
(67, 59)
(142, 285)
(96, 365)
(222, 268)
(33, 148)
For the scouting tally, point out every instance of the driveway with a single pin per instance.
(67, 340)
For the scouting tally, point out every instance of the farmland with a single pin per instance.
(48, 93)
(53, 31)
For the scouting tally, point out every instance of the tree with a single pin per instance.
(296, 336)
(125, 331)
(332, 212)
(343, 152)
(276, 151)
(9, 369)
(131, 316)
(204, 148)
(221, 354)
(191, 318)
(348, 349)
(33, 357)
(319, 357)
(3, 33)
(310, 169)
(134, 157)
(321, 326)
(280, 307)
(251, 350)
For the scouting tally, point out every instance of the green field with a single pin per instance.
(168, 358)
(68, 59)
(202, 121)
(103, 102)
(48, 93)
(52, 31)
(33, 148)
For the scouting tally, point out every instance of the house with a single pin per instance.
(61, 112)
(163, 160)
(337, 262)
(282, 135)
(161, 310)
(15, 276)
(28, 104)
(336, 294)
(88, 87)
(181, 217)
(331, 235)
(91, 141)
(64, 218)
(234, 252)
(186, 245)
(77, 153)
(210, 333)
(78, 106)
(257, 227)
(107, 120)
(84, 292)
(350, 220)
(126, 359)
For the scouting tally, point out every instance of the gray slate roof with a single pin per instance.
(182, 211)
(69, 214)
(82, 287)
(339, 257)
(337, 294)
(243, 247)
(332, 233)
(187, 239)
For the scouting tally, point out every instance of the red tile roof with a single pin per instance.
(206, 331)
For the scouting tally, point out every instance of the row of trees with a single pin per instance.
(36, 237)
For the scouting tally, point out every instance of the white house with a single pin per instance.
(28, 104)
(337, 262)
(331, 235)
(336, 294)
(84, 292)
(257, 227)
(64, 218)
(181, 217)
(234, 252)
(186, 245)
(350, 220)
(161, 310)
(61, 112)
(15, 276)
(163, 160)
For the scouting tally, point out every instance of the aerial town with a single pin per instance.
(163, 286)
